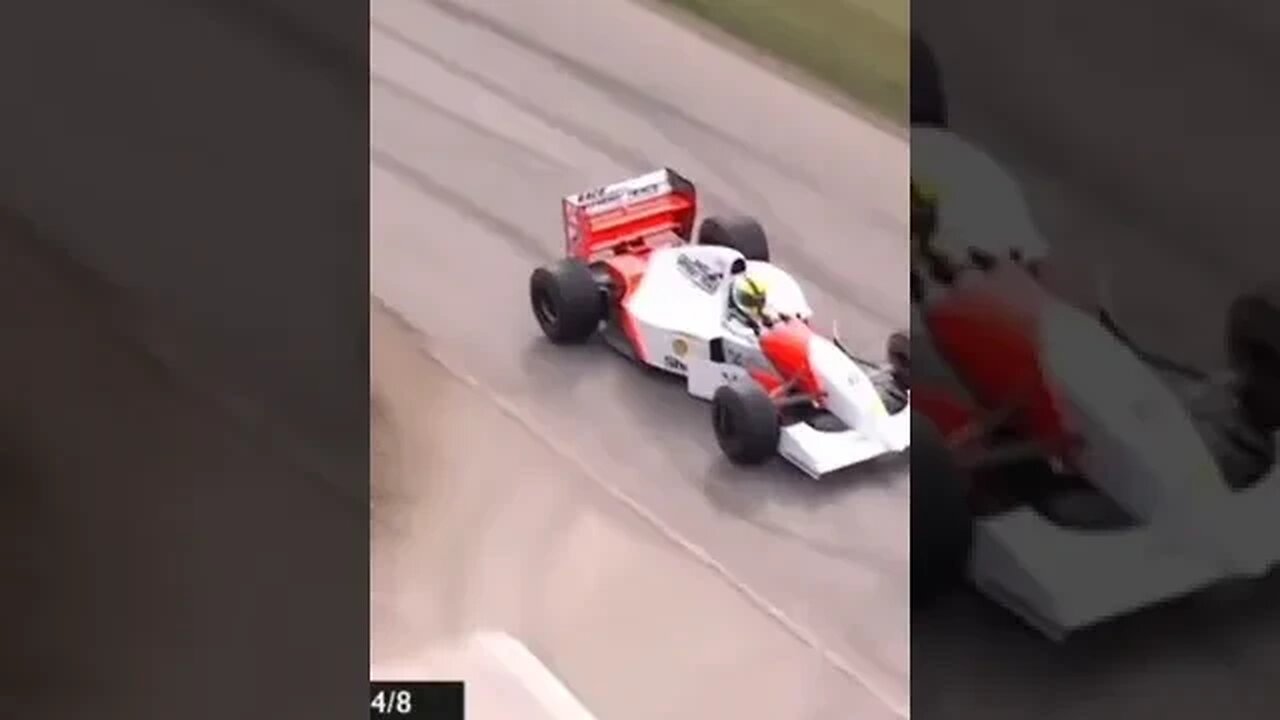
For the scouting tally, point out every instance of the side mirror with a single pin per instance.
(1104, 299)
(1103, 288)
(1105, 314)
(835, 338)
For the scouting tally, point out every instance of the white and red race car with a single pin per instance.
(634, 275)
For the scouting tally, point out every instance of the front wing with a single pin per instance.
(818, 453)
(1062, 580)
(815, 452)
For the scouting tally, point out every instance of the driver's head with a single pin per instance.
(924, 212)
(749, 294)
(924, 227)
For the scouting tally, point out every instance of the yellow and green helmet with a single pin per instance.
(924, 210)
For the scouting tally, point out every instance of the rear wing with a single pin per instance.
(622, 216)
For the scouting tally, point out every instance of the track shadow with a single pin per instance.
(1219, 639)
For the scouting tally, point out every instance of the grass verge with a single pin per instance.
(859, 47)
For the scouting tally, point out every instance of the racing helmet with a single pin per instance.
(748, 295)
(924, 211)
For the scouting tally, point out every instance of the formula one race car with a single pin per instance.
(1071, 475)
(719, 314)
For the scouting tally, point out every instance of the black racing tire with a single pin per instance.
(1084, 509)
(738, 232)
(928, 93)
(1253, 346)
(566, 301)
(898, 351)
(746, 423)
(941, 522)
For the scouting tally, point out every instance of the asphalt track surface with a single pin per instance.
(98, 593)
(482, 116)
(1146, 153)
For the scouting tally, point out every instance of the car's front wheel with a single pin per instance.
(746, 423)
(898, 350)
(1253, 344)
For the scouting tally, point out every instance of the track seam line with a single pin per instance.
(792, 627)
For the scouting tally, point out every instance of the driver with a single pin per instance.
(972, 210)
(747, 300)
(924, 223)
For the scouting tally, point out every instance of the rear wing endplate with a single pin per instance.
(612, 217)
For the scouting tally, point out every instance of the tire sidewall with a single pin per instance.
(569, 291)
(898, 352)
(1254, 322)
(753, 432)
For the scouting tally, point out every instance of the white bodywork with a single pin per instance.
(676, 319)
(981, 205)
(1142, 449)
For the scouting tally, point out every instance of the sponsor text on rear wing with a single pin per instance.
(607, 219)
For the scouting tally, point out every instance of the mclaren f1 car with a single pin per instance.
(1071, 475)
(636, 274)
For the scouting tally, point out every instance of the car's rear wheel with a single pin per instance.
(738, 232)
(566, 301)
(1253, 344)
(746, 423)
(941, 522)
(928, 95)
